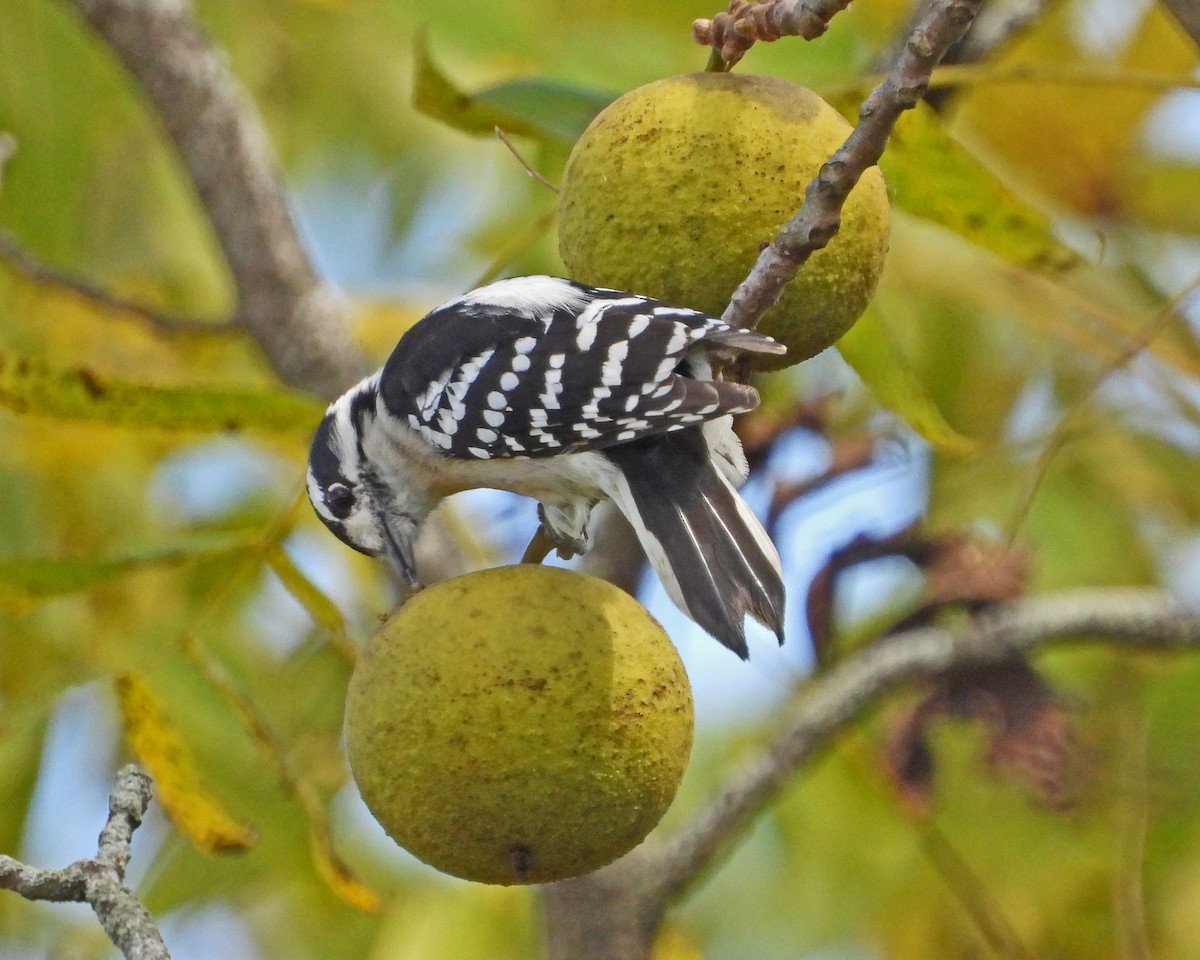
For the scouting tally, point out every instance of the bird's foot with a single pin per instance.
(565, 526)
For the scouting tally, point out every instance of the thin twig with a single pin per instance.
(529, 168)
(969, 889)
(26, 264)
(224, 148)
(819, 219)
(99, 881)
(960, 879)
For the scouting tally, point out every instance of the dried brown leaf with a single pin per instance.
(1029, 728)
(967, 570)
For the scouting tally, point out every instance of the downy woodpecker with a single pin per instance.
(569, 394)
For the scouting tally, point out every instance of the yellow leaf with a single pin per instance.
(329, 865)
(161, 749)
(1164, 194)
(875, 355)
(333, 870)
(931, 175)
(28, 386)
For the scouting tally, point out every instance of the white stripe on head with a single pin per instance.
(317, 497)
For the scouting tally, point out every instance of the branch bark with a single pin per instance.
(225, 151)
(603, 922)
(943, 24)
(100, 880)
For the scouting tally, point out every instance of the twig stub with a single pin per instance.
(818, 220)
(736, 30)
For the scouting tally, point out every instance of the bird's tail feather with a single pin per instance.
(707, 547)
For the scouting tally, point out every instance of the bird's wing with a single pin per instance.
(482, 379)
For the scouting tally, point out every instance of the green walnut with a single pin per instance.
(521, 724)
(675, 187)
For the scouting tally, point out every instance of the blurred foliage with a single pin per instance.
(150, 529)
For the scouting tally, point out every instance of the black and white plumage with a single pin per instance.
(569, 394)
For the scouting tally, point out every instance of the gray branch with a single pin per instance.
(943, 25)
(100, 880)
(224, 149)
(640, 887)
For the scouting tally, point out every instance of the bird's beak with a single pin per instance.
(399, 551)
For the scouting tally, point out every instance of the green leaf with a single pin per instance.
(28, 386)
(26, 580)
(546, 109)
(932, 176)
(876, 357)
(161, 747)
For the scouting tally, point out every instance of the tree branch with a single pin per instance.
(943, 24)
(615, 554)
(224, 148)
(99, 881)
(1130, 617)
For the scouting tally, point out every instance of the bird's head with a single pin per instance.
(355, 496)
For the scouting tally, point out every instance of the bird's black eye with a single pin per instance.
(340, 500)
